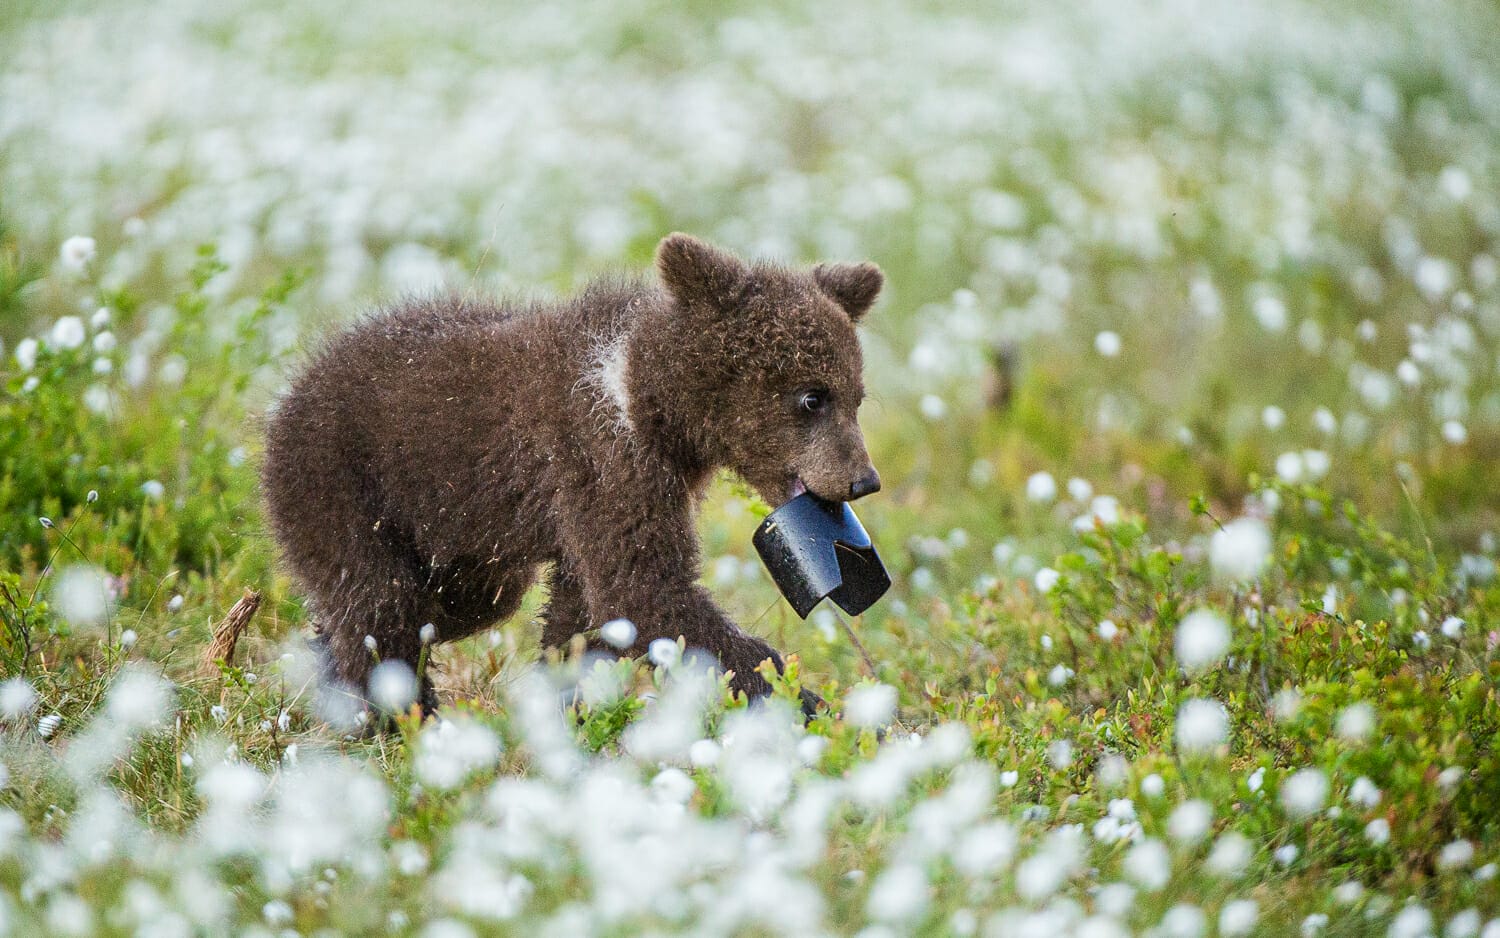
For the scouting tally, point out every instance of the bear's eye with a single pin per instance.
(812, 401)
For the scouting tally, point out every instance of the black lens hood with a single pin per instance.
(815, 549)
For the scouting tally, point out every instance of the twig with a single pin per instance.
(227, 633)
(858, 645)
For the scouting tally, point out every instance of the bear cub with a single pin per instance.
(433, 458)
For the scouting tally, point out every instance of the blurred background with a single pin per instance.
(1136, 252)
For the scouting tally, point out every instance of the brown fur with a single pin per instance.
(433, 457)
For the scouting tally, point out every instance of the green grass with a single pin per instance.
(1034, 771)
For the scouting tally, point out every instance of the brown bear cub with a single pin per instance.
(431, 458)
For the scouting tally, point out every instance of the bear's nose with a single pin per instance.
(867, 484)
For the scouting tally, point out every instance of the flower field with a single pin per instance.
(1185, 388)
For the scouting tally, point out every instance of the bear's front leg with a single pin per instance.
(645, 569)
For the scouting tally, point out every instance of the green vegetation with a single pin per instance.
(1196, 630)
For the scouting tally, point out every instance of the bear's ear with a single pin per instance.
(852, 286)
(698, 273)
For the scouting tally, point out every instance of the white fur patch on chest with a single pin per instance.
(608, 373)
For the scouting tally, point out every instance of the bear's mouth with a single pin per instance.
(795, 487)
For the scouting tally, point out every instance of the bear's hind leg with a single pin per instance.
(370, 614)
(566, 614)
(474, 596)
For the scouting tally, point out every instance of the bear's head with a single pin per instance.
(769, 367)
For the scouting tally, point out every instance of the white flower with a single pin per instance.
(934, 408)
(1108, 830)
(1080, 490)
(1190, 821)
(1348, 892)
(81, 595)
(1463, 925)
(1273, 417)
(1304, 792)
(1289, 467)
(1455, 854)
(1115, 900)
(393, 685)
(1455, 183)
(17, 698)
(1355, 723)
(277, 913)
(1325, 422)
(1201, 725)
(1433, 276)
(1420, 640)
(67, 333)
(428, 633)
(1149, 864)
(1286, 854)
(153, 490)
(1046, 579)
(1060, 754)
(1413, 921)
(1041, 487)
(1202, 640)
(1183, 921)
(1059, 675)
(1455, 432)
(1364, 793)
(96, 398)
(1270, 311)
(26, 350)
(705, 752)
(663, 652)
(449, 750)
(1230, 855)
(76, 252)
(1238, 917)
(1107, 343)
(104, 343)
(900, 893)
(371, 643)
(1314, 924)
(48, 725)
(870, 705)
(1152, 786)
(139, 699)
(1378, 832)
(1453, 626)
(1108, 630)
(1009, 777)
(1256, 779)
(1240, 550)
(673, 786)
(618, 633)
(1103, 510)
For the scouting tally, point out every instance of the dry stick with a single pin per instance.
(227, 633)
(858, 645)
